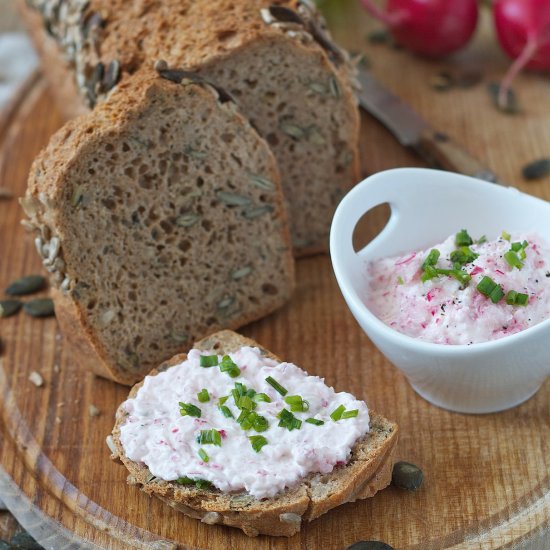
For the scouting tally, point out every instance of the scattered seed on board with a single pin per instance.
(36, 379)
(369, 545)
(93, 411)
(232, 199)
(442, 81)
(536, 169)
(9, 307)
(40, 307)
(26, 285)
(407, 476)
(510, 105)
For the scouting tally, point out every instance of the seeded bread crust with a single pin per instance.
(368, 471)
(142, 252)
(275, 57)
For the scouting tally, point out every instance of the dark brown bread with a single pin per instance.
(368, 471)
(160, 216)
(275, 58)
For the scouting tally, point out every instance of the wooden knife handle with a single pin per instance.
(441, 151)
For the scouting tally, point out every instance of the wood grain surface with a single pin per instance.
(487, 482)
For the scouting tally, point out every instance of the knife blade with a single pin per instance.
(411, 130)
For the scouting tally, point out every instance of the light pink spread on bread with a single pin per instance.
(441, 312)
(156, 434)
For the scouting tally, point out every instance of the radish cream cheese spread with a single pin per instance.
(240, 422)
(464, 291)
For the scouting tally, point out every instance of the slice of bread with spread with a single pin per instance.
(160, 216)
(276, 58)
(366, 470)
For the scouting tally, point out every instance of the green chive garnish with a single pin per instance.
(227, 365)
(297, 404)
(350, 414)
(314, 421)
(429, 273)
(185, 481)
(188, 409)
(400, 280)
(462, 256)
(209, 437)
(245, 402)
(481, 240)
(431, 258)
(202, 483)
(514, 298)
(198, 483)
(203, 455)
(336, 414)
(259, 423)
(272, 382)
(506, 236)
(223, 399)
(208, 360)
(463, 239)
(258, 441)
(288, 420)
(512, 259)
(262, 397)
(203, 396)
(490, 289)
(226, 411)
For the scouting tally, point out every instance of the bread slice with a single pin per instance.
(160, 216)
(276, 58)
(368, 470)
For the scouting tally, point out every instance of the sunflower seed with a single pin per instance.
(285, 15)
(407, 476)
(9, 307)
(40, 307)
(77, 196)
(194, 153)
(36, 379)
(111, 444)
(369, 545)
(26, 285)
(240, 501)
(257, 211)
(111, 77)
(292, 130)
(93, 410)
(289, 517)
(28, 226)
(29, 205)
(536, 169)
(187, 220)
(65, 284)
(262, 182)
(317, 88)
(179, 337)
(91, 22)
(107, 316)
(53, 250)
(226, 302)
(5, 194)
(314, 136)
(509, 105)
(232, 199)
(160, 65)
(39, 245)
(442, 82)
(241, 272)
(334, 87)
(96, 78)
(211, 518)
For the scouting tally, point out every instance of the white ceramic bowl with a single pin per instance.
(426, 207)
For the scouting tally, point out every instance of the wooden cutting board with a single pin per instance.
(487, 482)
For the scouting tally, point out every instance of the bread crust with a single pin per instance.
(368, 471)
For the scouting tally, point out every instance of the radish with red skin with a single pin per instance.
(433, 28)
(523, 30)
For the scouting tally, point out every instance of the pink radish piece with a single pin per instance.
(433, 28)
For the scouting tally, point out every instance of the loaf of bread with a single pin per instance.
(275, 58)
(367, 470)
(160, 216)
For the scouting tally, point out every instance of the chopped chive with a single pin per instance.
(240, 387)
(462, 256)
(481, 240)
(314, 421)
(243, 419)
(490, 289)
(272, 382)
(223, 399)
(516, 247)
(513, 259)
(350, 414)
(431, 258)
(462, 238)
(185, 481)
(259, 397)
(400, 280)
(198, 483)
(292, 399)
(260, 423)
(227, 365)
(429, 273)
(203, 483)
(246, 403)
(203, 455)
(522, 299)
(208, 361)
(258, 441)
(209, 437)
(251, 393)
(288, 420)
(203, 396)
(511, 297)
(188, 409)
(226, 411)
(336, 414)
(506, 236)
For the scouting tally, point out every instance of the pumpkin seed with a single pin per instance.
(262, 182)
(40, 307)
(241, 272)
(26, 285)
(5, 194)
(369, 545)
(9, 307)
(510, 104)
(187, 220)
(255, 212)
(292, 130)
(334, 87)
(285, 15)
(536, 169)
(407, 476)
(232, 199)
(93, 410)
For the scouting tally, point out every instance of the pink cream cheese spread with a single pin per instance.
(444, 310)
(156, 433)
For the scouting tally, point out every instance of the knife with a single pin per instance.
(411, 130)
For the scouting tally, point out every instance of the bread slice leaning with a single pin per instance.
(160, 217)
(368, 471)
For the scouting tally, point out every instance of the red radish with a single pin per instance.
(433, 28)
(523, 30)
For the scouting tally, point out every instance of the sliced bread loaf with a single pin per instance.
(276, 58)
(160, 216)
(368, 470)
